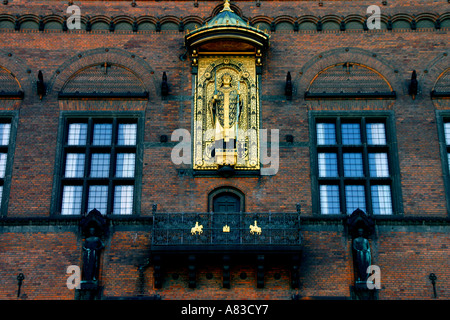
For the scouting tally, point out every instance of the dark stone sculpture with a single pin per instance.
(91, 254)
(413, 85)
(288, 86)
(361, 247)
(40, 85)
(361, 226)
(164, 85)
(93, 226)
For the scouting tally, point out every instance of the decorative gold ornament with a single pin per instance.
(226, 6)
(226, 228)
(226, 114)
(198, 229)
(255, 229)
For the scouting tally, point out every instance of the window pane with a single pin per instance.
(447, 132)
(98, 198)
(355, 198)
(5, 130)
(74, 165)
(381, 199)
(102, 134)
(125, 165)
(77, 134)
(326, 133)
(127, 134)
(3, 158)
(448, 160)
(123, 200)
(376, 133)
(100, 165)
(353, 165)
(329, 199)
(71, 200)
(328, 165)
(351, 133)
(378, 165)
(1, 194)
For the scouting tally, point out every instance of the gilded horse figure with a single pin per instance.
(255, 229)
(198, 229)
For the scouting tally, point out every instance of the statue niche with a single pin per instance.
(361, 227)
(226, 115)
(93, 226)
(91, 257)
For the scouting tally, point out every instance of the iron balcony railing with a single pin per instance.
(172, 229)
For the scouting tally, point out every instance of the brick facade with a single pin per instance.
(408, 245)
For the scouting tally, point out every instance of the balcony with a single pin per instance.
(226, 230)
(198, 238)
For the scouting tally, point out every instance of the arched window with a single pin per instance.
(226, 200)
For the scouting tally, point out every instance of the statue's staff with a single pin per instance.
(215, 83)
(237, 107)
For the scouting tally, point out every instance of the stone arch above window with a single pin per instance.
(441, 88)
(104, 80)
(9, 85)
(90, 64)
(349, 80)
(226, 199)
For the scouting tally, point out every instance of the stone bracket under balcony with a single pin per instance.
(196, 240)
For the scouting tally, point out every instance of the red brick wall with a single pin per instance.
(43, 258)
(406, 258)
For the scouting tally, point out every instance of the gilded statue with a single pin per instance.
(226, 130)
(225, 107)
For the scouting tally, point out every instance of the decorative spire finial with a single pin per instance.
(226, 6)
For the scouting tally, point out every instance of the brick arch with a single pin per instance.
(354, 18)
(117, 56)
(363, 78)
(284, 18)
(53, 18)
(427, 16)
(123, 18)
(226, 189)
(172, 19)
(264, 19)
(150, 19)
(340, 55)
(193, 19)
(7, 17)
(28, 17)
(428, 77)
(440, 79)
(99, 18)
(331, 18)
(432, 73)
(402, 17)
(308, 18)
(21, 72)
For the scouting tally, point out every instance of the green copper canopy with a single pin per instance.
(227, 25)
